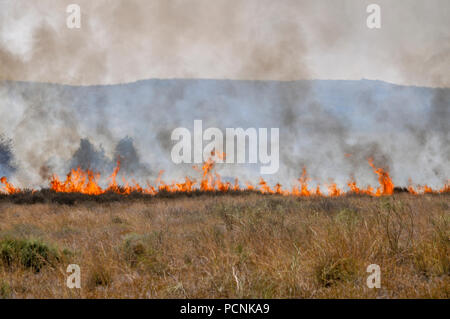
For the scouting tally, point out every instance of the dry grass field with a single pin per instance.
(241, 246)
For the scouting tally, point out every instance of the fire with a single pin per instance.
(333, 190)
(87, 182)
(386, 185)
(303, 185)
(411, 188)
(8, 188)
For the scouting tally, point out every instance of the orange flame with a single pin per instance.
(386, 185)
(86, 182)
(8, 188)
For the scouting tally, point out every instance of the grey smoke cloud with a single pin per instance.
(88, 157)
(7, 167)
(331, 127)
(54, 126)
(93, 158)
(127, 40)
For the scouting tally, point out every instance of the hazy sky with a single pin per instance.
(127, 40)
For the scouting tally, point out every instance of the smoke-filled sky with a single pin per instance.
(268, 63)
(128, 40)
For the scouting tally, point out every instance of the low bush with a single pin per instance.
(29, 253)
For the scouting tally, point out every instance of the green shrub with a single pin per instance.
(5, 290)
(29, 253)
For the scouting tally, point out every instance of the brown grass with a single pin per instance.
(249, 246)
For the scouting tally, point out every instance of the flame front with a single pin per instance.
(86, 182)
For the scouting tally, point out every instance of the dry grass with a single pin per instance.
(249, 246)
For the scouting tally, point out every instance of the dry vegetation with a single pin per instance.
(242, 246)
